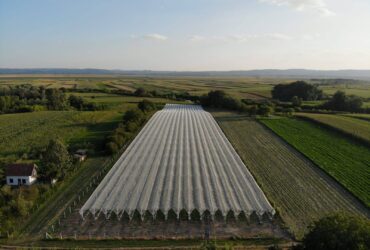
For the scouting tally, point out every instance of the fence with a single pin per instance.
(82, 195)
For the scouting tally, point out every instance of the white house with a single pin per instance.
(21, 174)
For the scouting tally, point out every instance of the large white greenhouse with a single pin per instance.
(180, 163)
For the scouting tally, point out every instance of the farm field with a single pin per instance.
(362, 90)
(354, 127)
(298, 190)
(254, 88)
(365, 117)
(120, 102)
(239, 87)
(23, 133)
(342, 158)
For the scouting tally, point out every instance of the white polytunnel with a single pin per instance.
(181, 161)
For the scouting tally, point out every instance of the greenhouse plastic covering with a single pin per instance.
(180, 161)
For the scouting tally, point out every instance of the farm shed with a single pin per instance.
(21, 174)
(180, 162)
(80, 155)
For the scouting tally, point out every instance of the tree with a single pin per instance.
(56, 99)
(338, 232)
(140, 92)
(354, 103)
(219, 99)
(296, 101)
(76, 102)
(133, 115)
(146, 105)
(264, 110)
(341, 102)
(55, 160)
(301, 89)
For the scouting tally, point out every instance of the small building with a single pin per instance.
(80, 155)
(21, 174)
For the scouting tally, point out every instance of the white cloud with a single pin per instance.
(310, 37)
(303, 5)
(156, 37)
(244, 37)
(196, 38)
(250, 37)
(277, 36)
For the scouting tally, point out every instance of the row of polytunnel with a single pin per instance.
(180, 165)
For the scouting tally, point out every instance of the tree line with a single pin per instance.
(133, 120)
(300, 91)
(28, 98)
(221, 100)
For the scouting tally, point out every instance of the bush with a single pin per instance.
(112, 147)
(338, 232)
(146, 105)
(141, 92)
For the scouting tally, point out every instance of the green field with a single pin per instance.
(362, 90)
(23, 133)
(239, 87)
(365, 117)
(246, 87)
(351, 126)
(344, 159)
(295, 187)
(120, 102)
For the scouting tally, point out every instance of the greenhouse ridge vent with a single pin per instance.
(180, 163)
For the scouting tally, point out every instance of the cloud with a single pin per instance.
(268, 36)
(156, 36)
(303, 5)
(249, 37)
(196, 38)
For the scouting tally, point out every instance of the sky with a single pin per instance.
(185, 35)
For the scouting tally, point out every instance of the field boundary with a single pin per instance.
(320, 169)
(277, 216)
(347, 135)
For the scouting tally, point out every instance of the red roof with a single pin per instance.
(20, 169)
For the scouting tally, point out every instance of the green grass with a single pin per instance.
(365, 117)
(345, 160)
(296, 188)
(357, 128)
(24, 132)
(362, 90)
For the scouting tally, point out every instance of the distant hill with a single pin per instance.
(288, 73)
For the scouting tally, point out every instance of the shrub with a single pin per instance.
(146, 105)
(338, 232)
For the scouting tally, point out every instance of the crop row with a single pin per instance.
(356, 128)
(342, 158)
(298, 190)
(21, 133)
